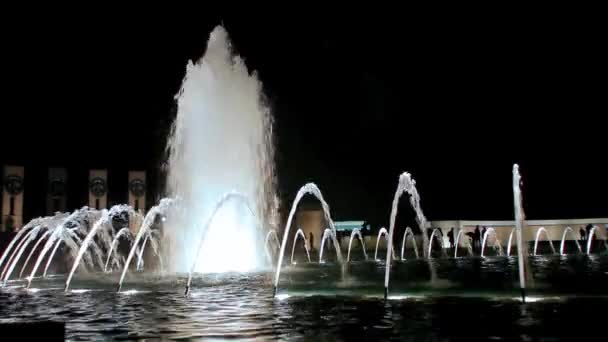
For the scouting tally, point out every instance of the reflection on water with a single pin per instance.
(477, 300)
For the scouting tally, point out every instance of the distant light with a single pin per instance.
(163, 219)
(33, 290)
(294, 263)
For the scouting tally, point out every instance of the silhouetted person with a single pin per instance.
(451, 237)
(477, 238)
(311, 239)
(582, 232)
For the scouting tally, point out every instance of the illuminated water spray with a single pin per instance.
(519, 225)
(221, 141)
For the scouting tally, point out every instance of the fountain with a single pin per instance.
(439, 238)
(61, 233)
(408, 232)
(540, 230)
(457, 244)
(220, 213)
(382, 232)
(221, 142)
(22, 232)
(126, 232)
(326, 233)
(151, 236)
(590, 239)
(312, 189)
(25, 236)
(496, 245)
(563, 243)
(509, 244)
(271, 237)
(104, 229)
(207, 228)
(519, 224)
(29, 256)
(73, 241)
(406, 185)
(356, 232)
(31, 236)
(159, 209)
(300, 233)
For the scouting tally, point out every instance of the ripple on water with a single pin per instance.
(243, 307)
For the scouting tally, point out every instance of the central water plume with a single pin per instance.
(221, 142)
(406, 185)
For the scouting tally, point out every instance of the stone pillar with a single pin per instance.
(12, 198)
(137, 190)
(137, 196)
(98, 189)
(56, 191)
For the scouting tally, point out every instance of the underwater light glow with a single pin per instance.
(282, 296)
(230, 244)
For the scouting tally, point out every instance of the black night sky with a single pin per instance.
(454, 100)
